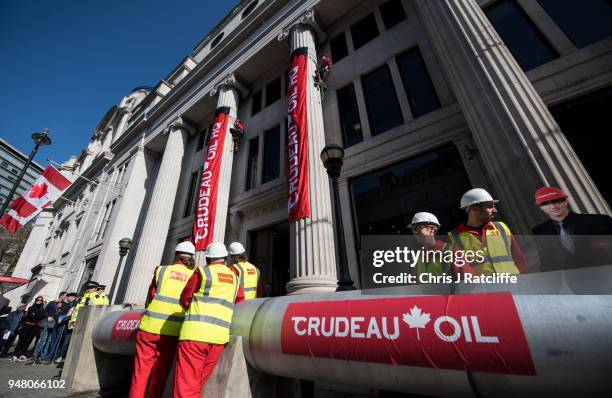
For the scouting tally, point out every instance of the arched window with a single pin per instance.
(248, 9)
(216, 40)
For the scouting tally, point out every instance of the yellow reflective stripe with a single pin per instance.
(208, 319)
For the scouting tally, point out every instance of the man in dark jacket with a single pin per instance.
(52, 311)
(13, 320)
(64, 318)
(574, 240)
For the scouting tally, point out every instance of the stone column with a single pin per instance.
(155, 229)
(518, 140)
(228, 94)
(123, 223)
(312, 252)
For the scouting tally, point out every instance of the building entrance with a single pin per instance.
(270, 253)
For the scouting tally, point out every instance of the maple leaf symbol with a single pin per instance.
(416, 319)
(38, 191)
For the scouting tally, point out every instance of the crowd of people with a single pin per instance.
(566, 240)
(41, 333)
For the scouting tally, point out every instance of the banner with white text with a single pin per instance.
(297, 137)
(206, 206)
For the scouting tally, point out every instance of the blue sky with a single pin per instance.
(64, 63)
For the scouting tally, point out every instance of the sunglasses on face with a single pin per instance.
(553, 202)
(38, 300)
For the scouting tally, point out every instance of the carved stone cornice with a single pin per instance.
(179, 123)
(306, 18)
(229, 81)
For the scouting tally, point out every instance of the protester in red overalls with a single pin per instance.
(160, 324)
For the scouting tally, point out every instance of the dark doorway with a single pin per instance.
(270, 253)
(584, 121)
(90, 267)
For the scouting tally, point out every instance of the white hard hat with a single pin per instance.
(236, 248)
(424, 217)
(185, 247)
(216, 250)
(474, 196)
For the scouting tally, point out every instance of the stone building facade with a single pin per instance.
(428, 98)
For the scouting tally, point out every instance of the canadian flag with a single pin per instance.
(45, 190)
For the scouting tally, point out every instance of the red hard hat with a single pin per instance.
(546, 194)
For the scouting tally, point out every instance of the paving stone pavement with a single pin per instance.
(11, 373)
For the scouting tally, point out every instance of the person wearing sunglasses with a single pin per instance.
(29, 328)
(575, 240)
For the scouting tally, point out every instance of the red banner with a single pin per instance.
(476, 332)
(126, 326)
(206, 207)
(297, 137)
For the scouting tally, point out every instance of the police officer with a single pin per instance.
(248, 274)
(493, 240)
(90, 297)
(208, 298)
(102, 299)
(161, 323)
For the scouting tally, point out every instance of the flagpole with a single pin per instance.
(101, 184)
(39, 139)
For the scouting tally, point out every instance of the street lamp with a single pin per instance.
(39, 139)
(332, 156)
(124, 248)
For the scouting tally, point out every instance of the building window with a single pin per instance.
(349, 116)
(417, 83)
(202, 138)
(121, 173)
(273, 91)
(583, 121)
(584, 22)
(392, 13)
(108, 211)
(256, 103)
(524, 40)
(384, 111)
(271, 160)
(248, 9)
(386, 199)
(191, 194)
(338, 47)
(216, 40)
(364, 31)
(251, 175)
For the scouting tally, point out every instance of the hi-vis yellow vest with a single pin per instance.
(432, 268)
(164, 314)
(92, 298)
(497, 251)
(209, 316)
(248, 275)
